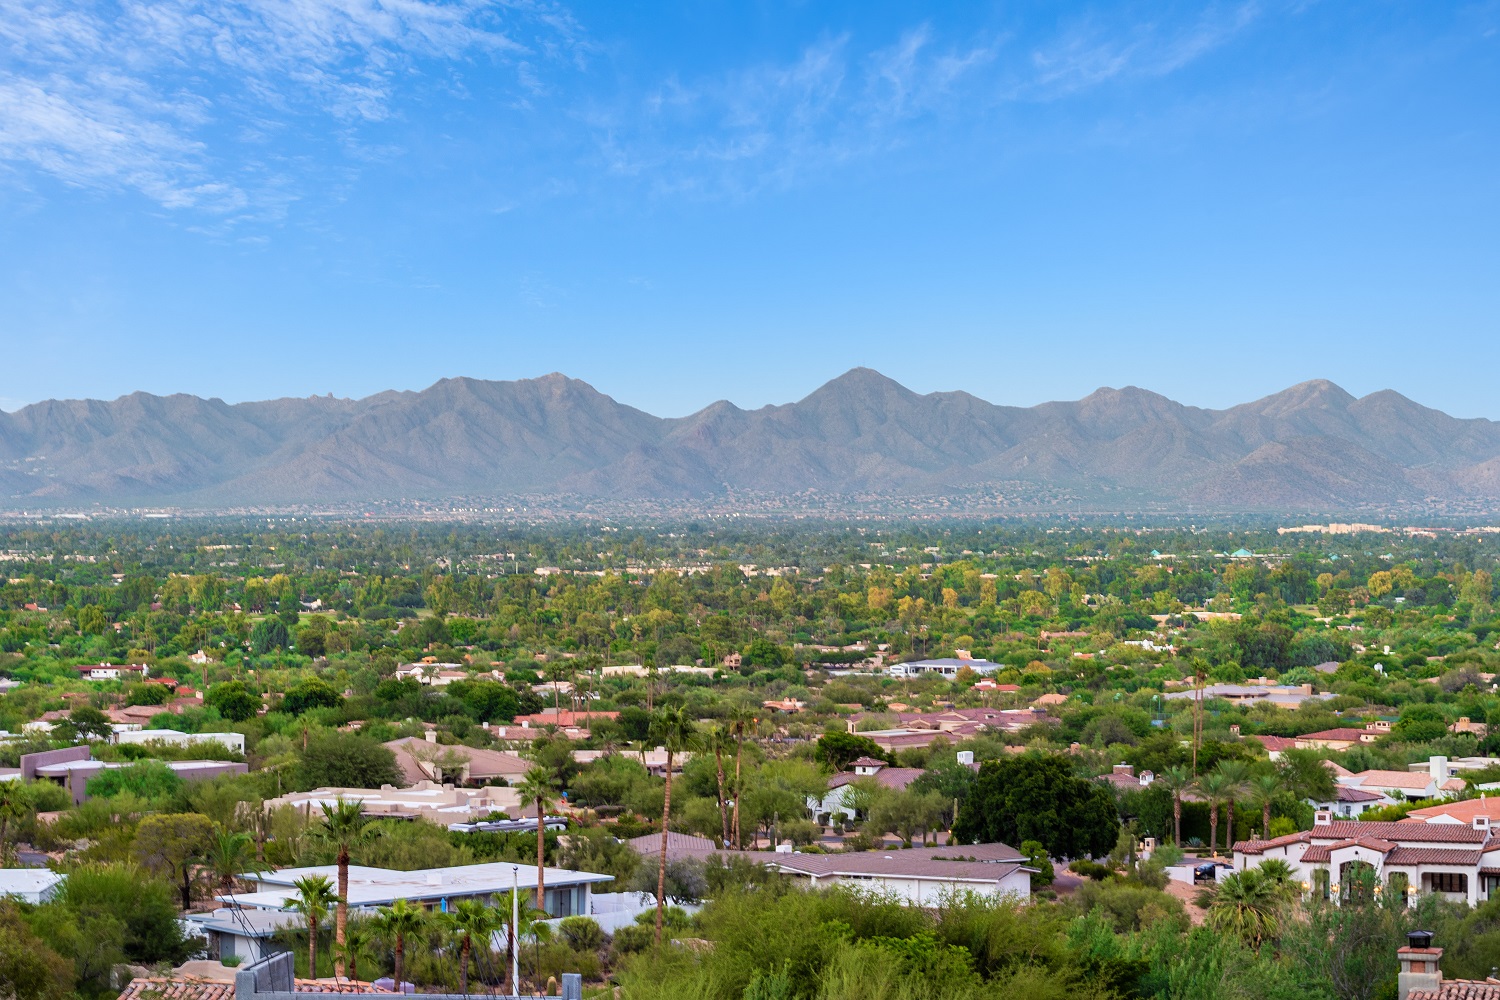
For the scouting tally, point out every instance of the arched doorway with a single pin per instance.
(1357, 881)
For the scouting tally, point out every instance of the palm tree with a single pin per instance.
(1236, 773)
(741, 722)
(1175, 780)
(230, 853)
(343, 825)
(394, 923)
(1212, 786)
(1264, 788)
(314, 893)
(1245, 905)
(1280, 878)
(472, 919)
(716, 741)
(537, 789)
(357, 941)
(529, 922)
(672, 729)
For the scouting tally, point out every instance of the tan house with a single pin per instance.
(424, 759)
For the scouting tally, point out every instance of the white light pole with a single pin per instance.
(515, 923)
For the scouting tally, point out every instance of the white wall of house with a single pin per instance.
(930, 891)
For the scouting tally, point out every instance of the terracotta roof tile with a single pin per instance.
(1441, 833)
(177, 989)
(1459, 989)
(1431, 856)
(1261, 846)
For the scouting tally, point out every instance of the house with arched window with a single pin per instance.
(1459, 862)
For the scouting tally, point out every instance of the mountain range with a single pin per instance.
(1311, 447)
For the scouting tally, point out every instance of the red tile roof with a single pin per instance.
(1275, 743)
(1459, 989)
(1442, 833)
(1344, 734)
(1261, 846)
(177, 989)
(1431, 856)
(887, 777)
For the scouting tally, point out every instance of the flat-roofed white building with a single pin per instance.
(569, 893)
(233, 741)
(943, 667)
(442, 804)
(30, 885)
(919, 877)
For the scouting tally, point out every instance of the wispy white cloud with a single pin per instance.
(1092, 53)
(770, 124)
(156, 96)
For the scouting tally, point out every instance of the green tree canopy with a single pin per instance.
(311, 693)
(149, 779)
(234, 700)
(838, 750)
(345, 760)
(1036, 796)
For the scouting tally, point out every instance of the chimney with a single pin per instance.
(1146, 778)
(1482, 822)
(966, 758)
(1126, 769)
(1234, 730)
(1438, 767)
(1419, 965)
(1322, 817)
(430, 736)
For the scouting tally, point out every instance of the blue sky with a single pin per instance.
(686, 202)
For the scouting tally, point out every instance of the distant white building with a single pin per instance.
(114, 671)
(919, 877)
(234, 741)
(442, 804)
(945, 667)
(568, 892)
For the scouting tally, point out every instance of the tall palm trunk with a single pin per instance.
(1213, 828)
(400, 959)
(1177, 820)
(312, 947)
(463, 965)
(661, 871)
(541, 854)
(723, 802)
(341, 912)
(1229, 823)
(1266, 819)
(739, 790)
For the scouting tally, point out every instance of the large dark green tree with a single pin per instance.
(838, 750)
(1037, 796)
(234, 701)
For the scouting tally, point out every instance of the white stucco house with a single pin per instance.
(833, 803)
(1460, 862)
(918, 877)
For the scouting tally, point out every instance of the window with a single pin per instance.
(1449, 882)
